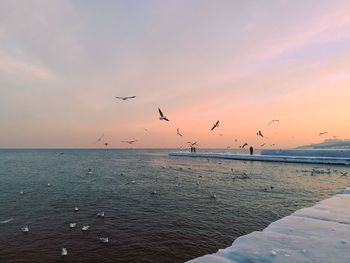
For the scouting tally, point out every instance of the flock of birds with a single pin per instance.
(72, 225)
(163, 117)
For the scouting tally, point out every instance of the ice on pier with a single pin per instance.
(268, 158)
(317, 234)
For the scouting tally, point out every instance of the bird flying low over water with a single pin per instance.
(322, 133)
(193, 143)
(126, 98)
(129, 142)
(259, 133)
(100, 138)
(244, 145)
(178, 132)
(272, 121)
(162, 116)
(215, 125)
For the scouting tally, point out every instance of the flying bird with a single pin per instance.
(162, 116)
(126, 98)
(262, 145)
(100, 138)
(259, 133)
(178, 132)
(244, 145)
(322, 133)
(129, 142)
(344, 174)
(193, 143)
(215, 125)
(272, 121)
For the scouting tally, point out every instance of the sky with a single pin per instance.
(242, 62)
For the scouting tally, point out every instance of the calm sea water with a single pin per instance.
(178, 223)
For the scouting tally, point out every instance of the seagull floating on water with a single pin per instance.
(162, 116)
(126, 98)
(64, 252)
(72, 225)
(22, 193)
(85, 228)
(101, 214)
(104, 240)
(49, 185)
(215, 125)
(76, 209)
(178, 132)
(25, 229)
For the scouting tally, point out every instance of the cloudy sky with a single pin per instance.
(240, 62)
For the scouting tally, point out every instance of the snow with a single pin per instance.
(317, 234)
(308, 152)
(268, 158)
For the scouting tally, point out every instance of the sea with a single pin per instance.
(157, 208)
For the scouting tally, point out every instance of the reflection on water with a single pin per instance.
(181, 221)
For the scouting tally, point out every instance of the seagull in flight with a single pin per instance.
(193, 143)
(215, 125)
(272, 121)
(259, 133)
(129, 142)
(178, 132)
(126, 98)
(344, 174)
(162, 116)
(244, 145)
(322, 133)
(100, 138)
(262, 145)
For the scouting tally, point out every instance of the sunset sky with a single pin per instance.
(241, 62)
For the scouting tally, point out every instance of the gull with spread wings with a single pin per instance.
(162, 116)
(215, 125)
(126, 98)
(129, 142)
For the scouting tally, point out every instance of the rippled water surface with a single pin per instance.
(180, 222)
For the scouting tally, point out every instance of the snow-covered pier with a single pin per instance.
(268, 158)
(316, 234)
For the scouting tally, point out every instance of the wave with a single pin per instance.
(6, 221)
